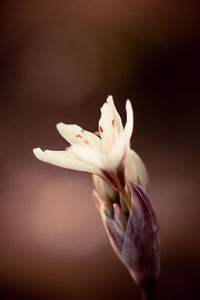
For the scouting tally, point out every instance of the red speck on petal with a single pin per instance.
(82, 130)
(100, 129)
(113, 123)
(97, 133)
(79, 136)
(86, 142)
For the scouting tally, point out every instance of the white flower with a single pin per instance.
(102, 153)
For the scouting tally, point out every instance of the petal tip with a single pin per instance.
(59, 126)
(128, 104)
(110, 99)
(38, 153)
(130, 119)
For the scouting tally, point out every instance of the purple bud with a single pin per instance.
(134, 235)
(140, 252)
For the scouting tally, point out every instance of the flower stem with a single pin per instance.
(126, 198)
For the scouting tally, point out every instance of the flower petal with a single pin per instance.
(129, 123)
(116, 116)
(88, 155)
(71, 133)
(65, 159)
(74, 134)
(105, 155)
(135, 170)
(116, 154)
(110, 124)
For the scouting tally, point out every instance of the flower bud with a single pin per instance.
(133, 236)
(135, 170)
(103, 189)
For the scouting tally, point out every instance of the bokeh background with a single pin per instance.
(59, 60)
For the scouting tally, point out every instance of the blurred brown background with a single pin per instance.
(59, 60)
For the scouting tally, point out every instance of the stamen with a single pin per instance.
(86, 142)
(79, 136)
(113, 123)
(100, 129)
(97, 133)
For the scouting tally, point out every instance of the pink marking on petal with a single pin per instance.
(86, 142)
(97, 133)
(82, 131)
(113, 123)
(79, 136)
